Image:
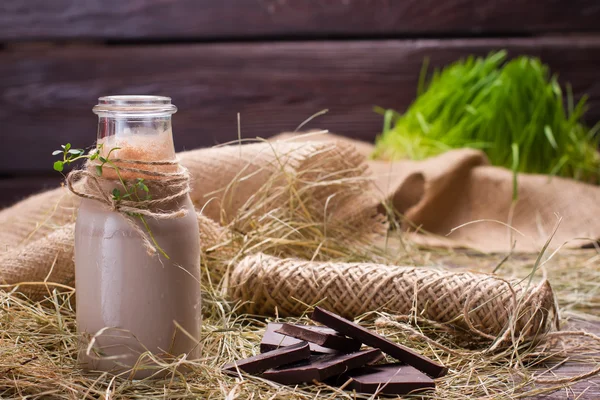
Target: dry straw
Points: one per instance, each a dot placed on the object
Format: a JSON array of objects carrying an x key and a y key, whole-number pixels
[
  {"x": 38, "y": 340},
  {"x": 38, "y": 347}
]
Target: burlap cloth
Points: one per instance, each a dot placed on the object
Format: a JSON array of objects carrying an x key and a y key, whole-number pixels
[
  {"x": 434, "y": 195},
  {"x": 460, "y": 187}
]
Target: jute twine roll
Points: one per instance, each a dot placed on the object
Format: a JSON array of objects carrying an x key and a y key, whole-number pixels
[{"x": 481, "y": 304}]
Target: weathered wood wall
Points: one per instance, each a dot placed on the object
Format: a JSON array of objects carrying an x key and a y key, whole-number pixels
[
  {"x": 274, "y": 61},
  {"x": 274, "y": 19}
]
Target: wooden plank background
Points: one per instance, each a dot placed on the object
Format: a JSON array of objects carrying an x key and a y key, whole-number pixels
[
  {"x": 48, "y": 92},
  {"x": 210, "y": 19}
]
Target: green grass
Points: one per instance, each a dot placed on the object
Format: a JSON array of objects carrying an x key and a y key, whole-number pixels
[{"x": 502, "y": 107}]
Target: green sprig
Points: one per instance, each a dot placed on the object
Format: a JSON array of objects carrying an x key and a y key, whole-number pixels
[
  {"x": 69, "y": 156},
  {"x": 136, "y": 190}
]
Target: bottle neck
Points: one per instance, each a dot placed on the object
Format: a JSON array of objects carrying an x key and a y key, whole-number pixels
[
  {"x": 136, "y": 127},
  {"x": 147, "y": 139}
]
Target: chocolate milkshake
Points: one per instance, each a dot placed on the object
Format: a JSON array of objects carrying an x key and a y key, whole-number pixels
[{"x": 129, "y": 301}]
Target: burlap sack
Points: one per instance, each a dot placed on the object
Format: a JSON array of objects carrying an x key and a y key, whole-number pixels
[
  {"x": 229, "y": 185},
  {"x": 226, "y": 182},
  {"x": 481, "y": 304},
  {"x": 459, "y": 187}
]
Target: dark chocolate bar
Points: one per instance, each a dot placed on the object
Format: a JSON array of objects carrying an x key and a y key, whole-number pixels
[
  {"x": 387, "y": 379},
  {"x": 321, "y": 367},
  {"x": 372, "y": 339},
  {"x": 272, "y": 359},
  {"x": 324, "y": 337},
  {"x": 272, "y": 340}
]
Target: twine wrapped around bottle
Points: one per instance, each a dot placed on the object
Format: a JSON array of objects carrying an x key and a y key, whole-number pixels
[
  {"x": 168, "y": 181},
  {"x": 482, "y": 304}
]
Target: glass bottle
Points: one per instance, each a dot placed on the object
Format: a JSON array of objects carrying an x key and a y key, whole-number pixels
[{"x": 130, "y": 301}]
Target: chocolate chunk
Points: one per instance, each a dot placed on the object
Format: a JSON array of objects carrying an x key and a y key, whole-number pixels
[
  {"x": 321, "y": 367},
  {"x": 372, "y": 339},
  {"x": 271, "y": 359},
  {"x": 272, "y": 340},
  {"x": 324, "y": 337},
  {"x": 387, "y": 379}
]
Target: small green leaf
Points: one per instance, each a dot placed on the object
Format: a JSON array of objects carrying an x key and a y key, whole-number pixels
[
  {"x": 116, "y": 194},
  {"x": 388, "y": 118},
  {"x": 515, "y": 171},
  {"x": 94, "y": 156},
  {"x": 423, "y": 123},
  {"x": 102, "y": 159},
  {"x": 57, "y": 152},
  {"x": 470, "y": 109},
  {"x": 550, "y": 137},
  {"x": 67, "y": 146},
  {"x": 145, "y": 188},
  {"x": 59, "y": 166},
  {"x": 62, "y": 145},
  {"x": 99, "y": 170},
  {"x": 76, "y": 151}
]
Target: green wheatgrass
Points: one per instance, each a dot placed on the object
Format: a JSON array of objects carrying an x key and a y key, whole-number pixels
[{"x": 508, "y": 109}]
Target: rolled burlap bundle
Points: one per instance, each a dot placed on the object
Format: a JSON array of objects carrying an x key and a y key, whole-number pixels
[
  {"x": 236, "y": 183},
  {"x": 482, "y": 304}
]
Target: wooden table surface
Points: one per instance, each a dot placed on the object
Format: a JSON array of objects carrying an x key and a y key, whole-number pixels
[{"x": 588, "y": 389}]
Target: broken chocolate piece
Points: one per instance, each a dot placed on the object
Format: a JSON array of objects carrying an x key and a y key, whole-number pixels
[
  {"x": 324, "y": 337},
  {"x": 387, "y": 379},
  {"x": 321, "y": 367},
  {"x": 271, "y": 359},
  {"x": 372, "y": 339},
  {"x": 272, "y": 340}
]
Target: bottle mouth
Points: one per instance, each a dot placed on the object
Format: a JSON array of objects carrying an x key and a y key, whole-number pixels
[{"x": 134, "y": 105}]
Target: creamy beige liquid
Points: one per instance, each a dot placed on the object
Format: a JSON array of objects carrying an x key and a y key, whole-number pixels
[{"x": 130, "y": 300}]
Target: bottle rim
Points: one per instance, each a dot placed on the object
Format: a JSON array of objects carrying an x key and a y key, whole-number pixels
[{"x": 134, "y": 105}]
